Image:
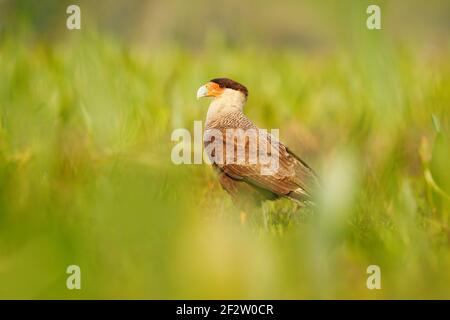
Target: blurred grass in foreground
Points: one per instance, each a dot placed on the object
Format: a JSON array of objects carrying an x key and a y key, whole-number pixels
[{"x": 86, "y": 176}]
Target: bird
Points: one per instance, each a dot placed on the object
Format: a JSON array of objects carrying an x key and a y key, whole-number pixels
[{"x": 244, "y": 180}]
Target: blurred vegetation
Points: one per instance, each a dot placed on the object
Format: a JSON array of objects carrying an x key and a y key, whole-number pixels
[{"x": 85, "y": 170}]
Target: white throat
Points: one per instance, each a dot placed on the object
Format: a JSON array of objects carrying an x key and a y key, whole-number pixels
[{"x": 229, "y": 101}]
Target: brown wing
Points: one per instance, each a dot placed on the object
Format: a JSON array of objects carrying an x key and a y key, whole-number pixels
[
  {"x": 292, "y": 177},
  {"x": 243, "y": 193}
]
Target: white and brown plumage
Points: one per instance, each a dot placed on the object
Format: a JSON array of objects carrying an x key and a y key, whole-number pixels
[{"x": 293, "y": 178}]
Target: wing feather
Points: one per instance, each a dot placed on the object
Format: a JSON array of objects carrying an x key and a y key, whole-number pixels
[{"x": 293, "y": 177}]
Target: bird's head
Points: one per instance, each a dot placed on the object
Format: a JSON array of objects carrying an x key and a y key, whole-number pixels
[{"x": 223, "y": 88}]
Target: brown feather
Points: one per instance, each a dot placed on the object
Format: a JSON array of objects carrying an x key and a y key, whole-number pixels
[{"x": 294, "y": 178}]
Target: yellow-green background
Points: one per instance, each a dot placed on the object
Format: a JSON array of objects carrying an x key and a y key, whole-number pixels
[{"x": 85, "y": 170}]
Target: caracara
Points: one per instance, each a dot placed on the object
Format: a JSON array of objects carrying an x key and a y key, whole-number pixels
[{"x": 292, "y": 178}]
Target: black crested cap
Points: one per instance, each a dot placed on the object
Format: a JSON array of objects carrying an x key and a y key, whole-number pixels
[{"x": 231, "y": 84}]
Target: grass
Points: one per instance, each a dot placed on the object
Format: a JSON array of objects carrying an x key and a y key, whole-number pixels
[{"x": 86, "y": 176}]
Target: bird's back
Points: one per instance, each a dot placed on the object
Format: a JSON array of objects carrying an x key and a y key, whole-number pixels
[{"x": 292, "y": 178}]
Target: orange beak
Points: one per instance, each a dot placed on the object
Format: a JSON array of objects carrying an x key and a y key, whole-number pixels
[{"x": 211, "y": 89}]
